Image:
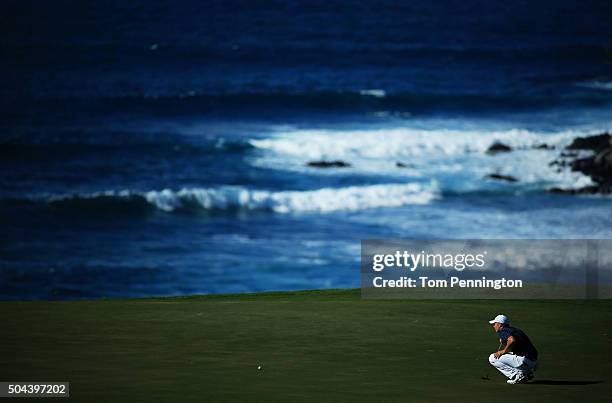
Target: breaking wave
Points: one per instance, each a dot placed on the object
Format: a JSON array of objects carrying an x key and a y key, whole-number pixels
[
  {"x": 322, "y": 200},
  {"x": 456, "y": 159}
]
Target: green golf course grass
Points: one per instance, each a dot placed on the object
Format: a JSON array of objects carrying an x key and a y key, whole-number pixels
[{"x": 314, "y": 346}]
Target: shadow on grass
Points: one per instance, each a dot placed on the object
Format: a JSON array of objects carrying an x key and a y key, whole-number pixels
[{"x": 554, "y": 382}]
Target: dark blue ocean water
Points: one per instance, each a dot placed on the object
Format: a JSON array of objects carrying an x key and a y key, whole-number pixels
[{"x": 162, "y": 148}]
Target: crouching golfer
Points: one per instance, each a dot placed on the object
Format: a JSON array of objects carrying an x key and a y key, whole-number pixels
[{"x": 517, "y": 357}]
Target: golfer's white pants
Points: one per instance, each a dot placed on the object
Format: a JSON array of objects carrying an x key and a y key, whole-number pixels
[{"x": 512, "y": 365}]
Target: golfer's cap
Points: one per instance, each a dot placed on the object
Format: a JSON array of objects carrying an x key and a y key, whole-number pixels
[{"x": 503, "y": 319}]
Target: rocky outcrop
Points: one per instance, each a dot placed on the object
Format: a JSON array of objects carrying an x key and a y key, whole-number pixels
[
  {"x": 594, "y": 143},
  {"x": 597, "y": 166}
]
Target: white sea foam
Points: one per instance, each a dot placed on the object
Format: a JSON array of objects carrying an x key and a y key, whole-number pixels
[
  {"x": 373, "y": 93},
  {"x": 600, "y": 85},
  {"x": 438, "y": 154},
  {"x": 320, "y": 200},
  {"x": 398, "y": 142}
]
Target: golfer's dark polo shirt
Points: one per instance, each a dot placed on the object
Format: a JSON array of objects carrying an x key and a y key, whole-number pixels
[{"x": 522, "y": 345}]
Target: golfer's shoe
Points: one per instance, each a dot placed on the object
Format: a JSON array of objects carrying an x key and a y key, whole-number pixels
[{"x": 518, "y": 379}]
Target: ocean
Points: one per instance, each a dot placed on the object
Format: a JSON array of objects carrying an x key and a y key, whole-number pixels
[{"x": 171, "y": 147}]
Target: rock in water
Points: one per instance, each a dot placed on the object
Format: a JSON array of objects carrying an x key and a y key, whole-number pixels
[
  {"x": 500, "y": 177},
  {"x": 587, "y": 190},
  {"x": 598, "y": 167},
  {"x": 498, "y": 147},
  {"x": 596, "y": 143},
  {"x": 328, "y": 164}
]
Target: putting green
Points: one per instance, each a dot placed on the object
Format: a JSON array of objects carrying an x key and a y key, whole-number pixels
[{"x": 312, "y": 346}]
